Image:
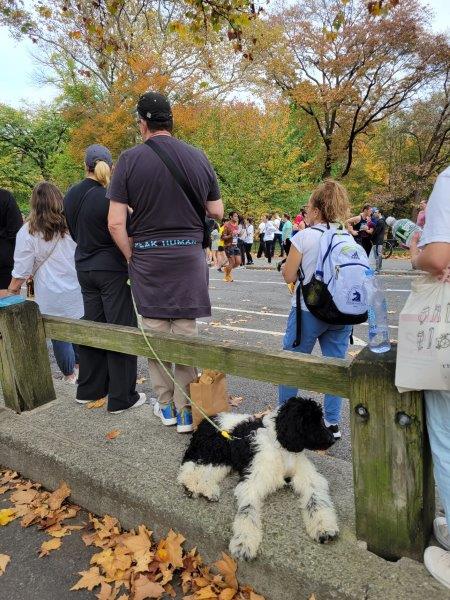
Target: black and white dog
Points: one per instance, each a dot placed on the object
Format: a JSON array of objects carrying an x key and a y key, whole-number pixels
[{"x": 267, "y": 452}]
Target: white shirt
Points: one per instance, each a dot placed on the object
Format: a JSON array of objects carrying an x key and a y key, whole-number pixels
[
  {"x": 269, "y": 231},
  {"x": 437, "y": 225},
  {"x": 56, "y": 287},
  {"x": 307, "y": 242},
  {"x": 261, "y": 227},
  {"x": 249, "y": 234},
  {"x": 277, "y": 222}
]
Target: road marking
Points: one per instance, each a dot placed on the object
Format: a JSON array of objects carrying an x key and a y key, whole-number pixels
[
  {"x": 282, "y": 283},
  {"x": 249, "y": 312},
  {"x": 356, "y": 341},
  {"x": 267, "y": 314}
]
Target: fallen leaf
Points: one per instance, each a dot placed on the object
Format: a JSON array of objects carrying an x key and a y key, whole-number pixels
[
  {"x": 57, "y": 531},
  {"x": 144, "y": 588},
  {"x": 4, "y": 560},
  {"x": 227, "y": 594},
  {"x": 49, "y": 546},
  {"x": 172, "y": 546},
  {"x": 139, "y": 544},
  {"x": 89, "y": 580},
  {"x": 254, "y": 596},
  {"x": 106, "y": 592},
  {"x": 7, "y": 515},
  {"x": 23, "y": 496},
  {"x": 312, "y": 597},
  {"x": 96, "y": 403},
  {"x": 58, "y": 496},
  {"x": 3, "y": 489},
  {"x": 206, "y": 593},
  {"x": 228, "y": 567},
  {"x": 235, "y": 400},
  {"x": 113, "y": 434},
  {"x": 141, "y": 380}
]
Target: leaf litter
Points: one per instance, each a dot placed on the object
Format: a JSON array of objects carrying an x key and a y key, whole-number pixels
[{"x": 129, "y": 565}]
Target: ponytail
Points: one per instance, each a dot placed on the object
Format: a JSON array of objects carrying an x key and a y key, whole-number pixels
[{"x": 102, "y": 173}]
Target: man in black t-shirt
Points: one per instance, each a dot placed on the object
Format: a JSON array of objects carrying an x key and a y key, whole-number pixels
[
  {"x": 168, "y": 271},
  {"x": 10, "y": 223}
]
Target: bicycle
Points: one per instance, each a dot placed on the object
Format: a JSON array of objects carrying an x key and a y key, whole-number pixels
[{"x": 388, "y": 247}]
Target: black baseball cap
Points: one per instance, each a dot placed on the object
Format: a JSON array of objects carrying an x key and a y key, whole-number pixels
[{"x": 154, "y": 107}]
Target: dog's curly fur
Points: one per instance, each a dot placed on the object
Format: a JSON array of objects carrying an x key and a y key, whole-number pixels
[{"x": 267, "y": 453}]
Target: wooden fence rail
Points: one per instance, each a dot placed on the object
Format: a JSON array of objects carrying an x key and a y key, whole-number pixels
[{"x": 394, "y": 489}]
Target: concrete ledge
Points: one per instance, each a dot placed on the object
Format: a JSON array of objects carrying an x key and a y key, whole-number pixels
[
  {"x": 133, "y": 478},
  {"x": 403, "y": 272}
]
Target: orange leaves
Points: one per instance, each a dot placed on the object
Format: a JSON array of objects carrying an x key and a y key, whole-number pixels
[
  {"x": 227, "y": 567},
  {"x": 4, "y": 561},
  {"x": 49, "y": 546},
  {"x": 96, "y": 403},
  {"x": 128, "y": 565},
  {"x": 7, "y": 515},
  {"x": 113, "y": 434},
  {"x": 89, "y": 580}
]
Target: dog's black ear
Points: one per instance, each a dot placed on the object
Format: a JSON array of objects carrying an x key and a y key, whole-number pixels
[{"x": 299, "y": 425}]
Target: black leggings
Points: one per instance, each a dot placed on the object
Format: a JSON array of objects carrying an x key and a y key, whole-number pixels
[
  {"x": 248, "y": 252},
  {"x": 270, "y": 249}
]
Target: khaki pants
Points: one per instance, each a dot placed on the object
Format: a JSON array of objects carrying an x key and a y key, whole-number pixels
[{"x": 164, "y": 387}]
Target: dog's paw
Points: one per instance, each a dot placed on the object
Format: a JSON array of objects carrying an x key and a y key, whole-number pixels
[
  {"x": 189, "y": 493},
  {"x": 241, "y": 549},
  {"x": 325, "y": 537},
  {"x": 211, "y": 496}
]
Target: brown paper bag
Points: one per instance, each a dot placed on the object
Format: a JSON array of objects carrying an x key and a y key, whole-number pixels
[{"x": 210, "y": 392}]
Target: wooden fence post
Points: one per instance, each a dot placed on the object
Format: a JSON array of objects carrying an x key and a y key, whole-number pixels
[
  {"x": 24, "y": 364},
  {"x": 394, "y": 486}
]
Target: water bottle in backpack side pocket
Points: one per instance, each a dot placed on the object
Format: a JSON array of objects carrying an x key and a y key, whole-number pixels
[
  {"x": 377, "y": 312},
  {"x": 403, "y": 230}
]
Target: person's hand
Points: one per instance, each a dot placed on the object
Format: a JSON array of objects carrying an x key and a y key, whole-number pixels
[
  {"x": 445, "y": 276},
  {"x": 4, "y": 293},
  {"x": 414, "y": 250}
]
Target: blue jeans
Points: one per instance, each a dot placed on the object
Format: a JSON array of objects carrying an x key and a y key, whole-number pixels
[
  {"x": 333, "y": 340},
  {"x": 66, "y": 355},
  {"x": 437, "y": 406}
]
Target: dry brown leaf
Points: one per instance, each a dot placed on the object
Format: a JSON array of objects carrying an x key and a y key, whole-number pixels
[
  {"x": 235, "y": 400},
  {"x": 89, "y": 579},
  {"x": 4, "y": 560},
  {"x": 228, "y": 567},
  {"x": 137, "y": 543},
  {"x": 206, "y": 593},
  {"x": 96, "y": 403},
  {"x": 29, "y": 518},
  {"x": 7, "y": 515},
  {"x": 143, "y": 588},
  {"x": 254, "y": 596},
  {"x": 141, "y": 380},
  {"x": 3, "y": 489},
  {"x": 227, "y": 594},
  {"x": 106, "y": 592},
  {"x": 58, "y": 496},
  {"x": 113, "y": 434},
  {"x": 57, "y": 531},
  {"x": 170, "y": 548},
  {"x": 49, "y": 546},
  {"x": 312, "y": 597},
  {"x": 23, "y": 496}
]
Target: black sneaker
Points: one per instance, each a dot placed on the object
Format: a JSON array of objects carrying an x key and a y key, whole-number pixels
[{"x": 334, "y": 429}]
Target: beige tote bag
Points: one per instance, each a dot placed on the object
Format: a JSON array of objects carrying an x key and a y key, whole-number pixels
[{"x": 423, "y": 356}]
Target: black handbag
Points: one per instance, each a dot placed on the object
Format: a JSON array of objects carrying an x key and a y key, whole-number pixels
[{"x": 185, "y": 185}]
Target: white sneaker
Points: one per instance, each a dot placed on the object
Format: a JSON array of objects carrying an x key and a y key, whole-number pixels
[
  {"x": 437, "y": 562},
  {"x": 142, "y": 400},
  {"x": 83, "y": 401},
  {"x": 73, "y": 379},
  {"x": 167, "y": 413},
  {"x": 440, "y": 529}
]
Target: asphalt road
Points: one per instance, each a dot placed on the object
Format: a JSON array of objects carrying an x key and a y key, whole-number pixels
[{"x": 253, "y": 311}]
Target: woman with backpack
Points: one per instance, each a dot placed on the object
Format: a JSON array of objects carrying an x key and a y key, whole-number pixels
[{"x": 328, "y": 205}]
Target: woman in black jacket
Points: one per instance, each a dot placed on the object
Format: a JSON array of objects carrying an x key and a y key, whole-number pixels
[{"x": 103, "y": 275}]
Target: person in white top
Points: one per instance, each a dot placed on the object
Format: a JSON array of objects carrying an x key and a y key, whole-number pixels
[
  {"x": 261, "y": 228},
  {"x": 45, "y": 251},
  {"x": 248, "y": 241},
  {"x": 328, "y": 204},
  {"x": 431, "y": 253},
  {"x": 269, "y": 238},
  {"x": 278, "y": 234}
]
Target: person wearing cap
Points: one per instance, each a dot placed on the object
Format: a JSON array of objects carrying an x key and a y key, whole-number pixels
[
  {"x": 103, "y": 274},
  {"x": 379, "y": 232},
  {"x": 168, "y": 271}
]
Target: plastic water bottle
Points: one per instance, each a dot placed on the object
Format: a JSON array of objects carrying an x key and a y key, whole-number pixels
[
  {"x": 403, "y": 230},
  {"x": 378, "y": 315}
]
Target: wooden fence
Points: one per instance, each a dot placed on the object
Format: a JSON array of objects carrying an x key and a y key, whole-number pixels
[{"x": 393, "y": 482}]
